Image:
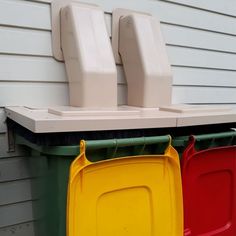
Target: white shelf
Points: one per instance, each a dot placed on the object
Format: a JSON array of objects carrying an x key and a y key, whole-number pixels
[{"x": 69, "y": 119}]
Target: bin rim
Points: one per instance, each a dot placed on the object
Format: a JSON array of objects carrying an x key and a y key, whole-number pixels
[
  {"x": 74, "y": 150},
  {"x": 183, "y": 140}
]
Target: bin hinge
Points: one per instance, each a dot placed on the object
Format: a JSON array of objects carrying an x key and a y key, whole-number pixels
[{"x": 11, "y": 140}]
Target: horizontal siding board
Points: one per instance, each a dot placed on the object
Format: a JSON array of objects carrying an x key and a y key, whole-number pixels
[
  {"x": 33, "y": 42},
  {"x": 180, "y": 56},
  {"x": 201, "y": 95},
  {"x": 203, "y": 77},
  {"x": 15, "y": 191},
  {"x": 25, "y": 229},
  {"x": 27, "y": 68},
  {"x": 21, "y": 68},
  {"x": 189, "y": 37},
  {"x": 16, "y": 214},
  {"x": 12, "y": 71},
  {"x": 40, "y": 69},
  {"x": 57, "y": 93},
  {"x": 22, "y": 41},
  {"x": 225, "y": 7},
  {"x": 25, "y": 14},
  {"x": 33, "y": 94},
  {"x": 14, "y": 169},
  {"x": 43, "y": 94},
  {"x": 37, "y": 15},
  {"x": 180, "y": 94},
  {"x": 190, "y": 94},
  {"x": 174, "y": 14},
  {"x": 22, "y": 167},
  {"x": 192, "y": 37},
  {"x": 195, "y": 76},
  {"x": 49, "y": 94}
]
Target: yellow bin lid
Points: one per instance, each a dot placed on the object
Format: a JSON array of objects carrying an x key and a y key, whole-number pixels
[{"x": 128, "y": 196}]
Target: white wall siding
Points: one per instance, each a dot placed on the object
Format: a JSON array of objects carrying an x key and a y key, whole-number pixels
[
  {"x": 33, "y": 94},
  {"x": 25, "y": 229},
  {"x": 15, "y": 188},
  {"x": 31, "y": 68},
  {"x": 26, "y": 14},
  {"x": 175, "y": 14},
  {"x": 16, "y": 211},
  {"x": 225, "y": 7},
  {"x": 201, "y": 44},
  {"x": 25, "y": 41},
  {"x": 15, "y": 191},
  {"x": 204, "y": 77}
]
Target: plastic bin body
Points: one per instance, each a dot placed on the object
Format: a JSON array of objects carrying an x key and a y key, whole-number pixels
[
  {"x": 209, "y": 191},
  {"x": 50, "y": 186},
  {"x": 49, "y": 208}
]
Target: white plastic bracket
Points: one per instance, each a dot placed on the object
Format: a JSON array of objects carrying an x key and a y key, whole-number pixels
[
  {"x": 88, "y": 56},
  {"x": 138, "y": 43},
  {"x": 116, "y": 15},
  {"x": 56, "y": 7}
]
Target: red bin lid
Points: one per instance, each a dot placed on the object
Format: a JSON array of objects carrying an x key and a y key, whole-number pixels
[{"x": 209, "y": 191}]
